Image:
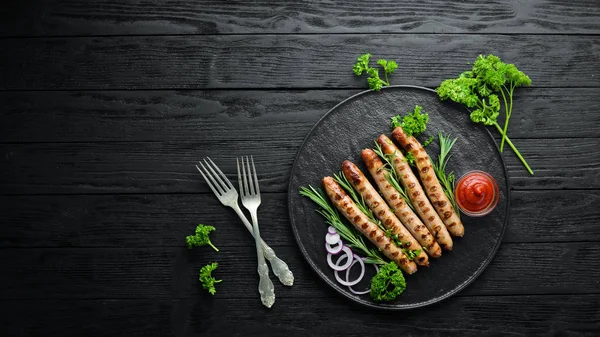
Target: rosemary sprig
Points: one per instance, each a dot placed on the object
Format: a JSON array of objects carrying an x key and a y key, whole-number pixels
[
  {"x": 358, "y": 199},
  {"x": 362, "y": 205},
  {"x": 446, "y": 179},
  {"x": 392, "y": 176},
  {"x": 347, "y": 232}
]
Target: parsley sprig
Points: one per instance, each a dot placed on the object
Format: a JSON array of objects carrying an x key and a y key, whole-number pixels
[
  {"x": 388, "y": 283},
  {"x": 375, "y": 82},
  {"x": 201, "y": 237},
  {"x": 207, "y": 280},
  {"x": 413, "y": 123},
  {"x": 478, "y": 89}
]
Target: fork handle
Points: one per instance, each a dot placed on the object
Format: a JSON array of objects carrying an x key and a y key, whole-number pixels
[
  {"x": 280, "y": 268},
  {"x": 265, "y": 286}
]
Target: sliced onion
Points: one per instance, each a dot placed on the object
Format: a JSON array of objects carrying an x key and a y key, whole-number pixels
[
  {"x": 336, "y": 266},
  {"x": 332, "y": 239},
  {"x": 335, "y": 249},
  {"x": 331, "y": 230},
  {"x": 360, "y": 292},
  {"x": 351, "y": 283}
]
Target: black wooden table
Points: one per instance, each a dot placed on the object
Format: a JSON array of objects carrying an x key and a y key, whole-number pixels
[{"x": 106, "y": 105}]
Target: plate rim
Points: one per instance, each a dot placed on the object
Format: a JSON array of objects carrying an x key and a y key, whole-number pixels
[{"x": 382, "y": 306}]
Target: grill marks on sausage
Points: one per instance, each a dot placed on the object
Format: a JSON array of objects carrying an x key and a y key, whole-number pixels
[
  {"x": 380, "y": 208},
  {"x": 414, "y": 190},
  {"x": 431, "y": 183},
  {"x": 369, "y": 229},
  {"x": 401, "y": 209}
]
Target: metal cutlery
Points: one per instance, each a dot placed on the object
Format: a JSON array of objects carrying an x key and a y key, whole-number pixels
[
  {"x": 250, "y": 195},
  {"x": 227, "y": 195}
]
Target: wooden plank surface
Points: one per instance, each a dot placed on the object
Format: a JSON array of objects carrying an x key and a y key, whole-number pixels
[
  {"x": 283, "y": 61},
  {"x": 168, "y": 167},
  {"x": 80, "y": 273},
  {"x": 106, "y": 104},
  {"x": 467, "y": 316},
  {"x": 100, "y": 116},
  {"x": 79, "y": 17},
  {"x": 131, "y": 221}
]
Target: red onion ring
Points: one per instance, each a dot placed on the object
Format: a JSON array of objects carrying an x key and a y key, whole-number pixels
[
  {"x": 351, "y": 283},
  {"x": 348, "y": 256},
  {"x": 332, "y": 239},
  {"x": 360, "y": 292},
  {"x": 334, "y": 249},
  {"x": 331, "y": 230}
]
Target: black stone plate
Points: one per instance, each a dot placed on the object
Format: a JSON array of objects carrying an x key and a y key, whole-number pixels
[{"x": 353, "y": 125}]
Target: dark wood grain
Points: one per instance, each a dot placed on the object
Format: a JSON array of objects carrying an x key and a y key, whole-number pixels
[
  {"x": 77, "y": 116},
  {"x": 543, "y": 268},
  {"x": 548, "y": 216},
  {"x": 77, "y": 17},
  {"x": 283, "y": 61},
  {"x": 105, "y": 105},
  {"x": 557, "y": 315},
  {"x": 127, "y": 221},
  {"x": 168, "y": 167}
]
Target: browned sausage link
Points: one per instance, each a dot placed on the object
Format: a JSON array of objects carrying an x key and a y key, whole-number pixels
[
  {"x": 361, "y": 222},
  {"x": 400, "y": 207},
  {"x": 409, "y": 181},
  {"x": 432, "y": 185},
  {"x": 382, "y": 210}
]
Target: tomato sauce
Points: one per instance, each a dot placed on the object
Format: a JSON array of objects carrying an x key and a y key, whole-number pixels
[{"x": 477, "y": 193}]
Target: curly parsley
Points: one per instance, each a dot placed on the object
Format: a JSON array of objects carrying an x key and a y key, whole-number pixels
[
  {"x": 375, "y": 82},
  {"x": 201, "y": 237},
  {"x": 413, "y": 124},
  {"x": 207, "y": 280},
  {"x": 478, "y": 89},
  {"x": 388, "y": 283}
]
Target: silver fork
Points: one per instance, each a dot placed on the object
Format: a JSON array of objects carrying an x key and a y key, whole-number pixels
[
  {"x": 250, "y": 193},
  {"x": 228, "y": 196}
]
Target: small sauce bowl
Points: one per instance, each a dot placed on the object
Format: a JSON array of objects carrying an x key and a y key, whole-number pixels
[{"x": 476, "y": 193}]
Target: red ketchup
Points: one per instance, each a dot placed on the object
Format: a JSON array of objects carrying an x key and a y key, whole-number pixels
[{"x": 476, "y": 193}]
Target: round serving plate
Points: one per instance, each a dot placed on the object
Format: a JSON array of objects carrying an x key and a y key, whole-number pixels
[{"x": 353, "y": 125}]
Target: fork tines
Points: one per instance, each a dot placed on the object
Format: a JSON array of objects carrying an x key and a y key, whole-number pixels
[
  {"x": 250, "y": 179},
  {"x": 212, "y": 178}
]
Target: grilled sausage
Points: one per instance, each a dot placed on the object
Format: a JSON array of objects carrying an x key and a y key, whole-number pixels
[
  {"x": 401, "y": 208},
  {"x": 432, "y": 185},
  {"x": 416, "y": 195},
  {"x": 382, "y": 211},
  {"x": 361, "y": 222}
]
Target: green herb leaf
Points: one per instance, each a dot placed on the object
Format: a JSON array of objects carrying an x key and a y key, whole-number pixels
[
  {"x": 362, "y": 65},
  {"x": 446, "y": 178},
  {"x": 388, "y": 283},
  {"x": 428, "y": 141},
  {"x": 207, "y": 280},
  {"x": 480, "y": 90},
  {"x": 413, "y": 124},
  {"x": 375, "y": 82},
  {"x": 332, "y": 218},
  {"x": 392, "y": 176},
  {"x": 410, "y": 158},
  {"x": 201, "y": 237},
  {"x": 357, "y": 198},
  {"x": 388, "y": 66}
]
